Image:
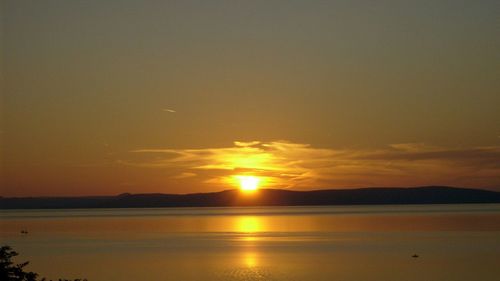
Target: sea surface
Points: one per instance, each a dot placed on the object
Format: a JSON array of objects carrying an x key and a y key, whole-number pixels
[{"x": 356, "y": 243}]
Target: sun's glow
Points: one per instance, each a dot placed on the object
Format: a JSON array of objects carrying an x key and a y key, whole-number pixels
[
  {"x": 248, "y": 183},
  {"x": 248, "y": 224},
  {"x": 250, "y": 259}
]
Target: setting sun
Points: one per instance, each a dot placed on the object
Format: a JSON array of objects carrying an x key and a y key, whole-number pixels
[{"x": 248, "y": 183}]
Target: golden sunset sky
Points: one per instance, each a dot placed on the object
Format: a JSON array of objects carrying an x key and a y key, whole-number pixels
[{"x": 105, "y": 97}]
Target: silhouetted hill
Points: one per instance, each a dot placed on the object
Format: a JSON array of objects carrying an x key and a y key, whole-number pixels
[{"x": 264, "y": 197}]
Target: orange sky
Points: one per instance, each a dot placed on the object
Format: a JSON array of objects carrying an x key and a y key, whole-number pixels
[{"x": 101, "y": 97}]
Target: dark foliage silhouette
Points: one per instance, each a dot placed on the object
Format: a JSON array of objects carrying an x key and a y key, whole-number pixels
[{"x": 15, "y": 272}]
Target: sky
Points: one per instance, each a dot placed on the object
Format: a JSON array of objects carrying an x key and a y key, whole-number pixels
[{"x": 106, "y": 97}]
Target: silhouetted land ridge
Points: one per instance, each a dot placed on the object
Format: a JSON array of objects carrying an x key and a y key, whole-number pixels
[{"x": 264, "y": 197}]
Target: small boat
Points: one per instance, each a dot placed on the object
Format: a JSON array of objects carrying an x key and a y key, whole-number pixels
[
  {"x": 24, "y": 231},
  {"x": 414, "y": 256}
]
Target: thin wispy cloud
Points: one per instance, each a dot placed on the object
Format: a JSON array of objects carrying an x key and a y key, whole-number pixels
[
  {"x": 184, "y": 175},
  {"x": 286, "y": 164}
]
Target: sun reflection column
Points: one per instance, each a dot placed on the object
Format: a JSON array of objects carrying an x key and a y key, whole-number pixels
[
  {"x": 250, "y": 259},
  {"x": 249, "y": 228}
]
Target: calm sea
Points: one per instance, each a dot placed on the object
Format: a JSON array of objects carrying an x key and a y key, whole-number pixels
[{"x": 453, "y": 242}]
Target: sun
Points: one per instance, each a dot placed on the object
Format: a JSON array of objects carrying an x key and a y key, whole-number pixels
[{"x": 248, "y": 183}]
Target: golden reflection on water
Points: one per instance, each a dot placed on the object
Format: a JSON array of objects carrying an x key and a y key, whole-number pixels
[
  {"x": 247, "y": 227},
  {"x": 248, "y": 247},
  {"x": 249, "y": 224},
  {"x": 250, "y": 259}
]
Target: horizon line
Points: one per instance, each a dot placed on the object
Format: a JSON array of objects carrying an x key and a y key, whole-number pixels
[{"x": 260, "y": 189}]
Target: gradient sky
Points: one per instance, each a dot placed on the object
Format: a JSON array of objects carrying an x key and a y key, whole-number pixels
[{"x": 104, "y": 97}]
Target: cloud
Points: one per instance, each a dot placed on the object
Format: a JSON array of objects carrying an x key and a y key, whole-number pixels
[
  {"x": 184, "y": 175},
  {"x": 244, "y": 144},
  {"x": 286, "y": 164}
]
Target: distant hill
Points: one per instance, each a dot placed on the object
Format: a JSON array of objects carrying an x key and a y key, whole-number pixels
[{"x": 264, "y": 197}]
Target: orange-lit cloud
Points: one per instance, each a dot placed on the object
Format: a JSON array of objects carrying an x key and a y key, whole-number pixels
[{"x": 286, "y": 164}]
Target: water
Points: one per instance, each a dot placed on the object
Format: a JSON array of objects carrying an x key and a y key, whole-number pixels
[{"x": 454, "y": 242}]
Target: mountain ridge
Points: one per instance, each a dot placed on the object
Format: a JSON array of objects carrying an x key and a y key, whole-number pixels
[{"x": 264, "y": 197}]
